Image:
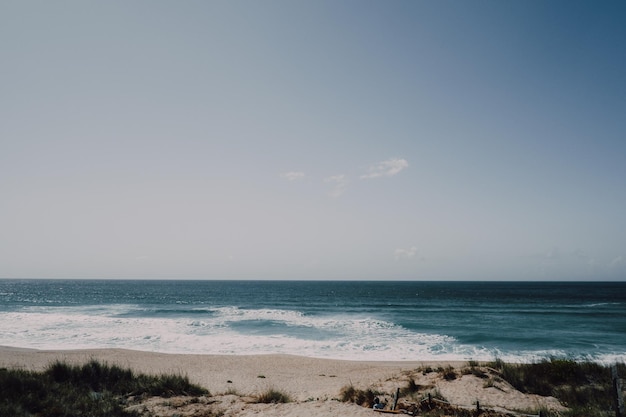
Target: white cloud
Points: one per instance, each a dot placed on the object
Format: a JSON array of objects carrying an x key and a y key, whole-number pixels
[
  {"x": 293, "y": 175},
  {"x": 405, "y": 253},
  {"x": 340, "y": 181},
  {"x": 387, "y": 168}
]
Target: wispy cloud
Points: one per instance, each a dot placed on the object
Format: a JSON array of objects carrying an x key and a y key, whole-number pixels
[
  {"x": 340, "y": 183},
  {"x": 405, "y": 253},
  {"x": 293, "y": 175},
  {"x": 387, "y": 168}
]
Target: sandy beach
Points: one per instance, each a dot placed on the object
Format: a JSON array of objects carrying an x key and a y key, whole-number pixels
[
  {"x": 313, "y": 384},
  {"x": 300, "y": 377}
]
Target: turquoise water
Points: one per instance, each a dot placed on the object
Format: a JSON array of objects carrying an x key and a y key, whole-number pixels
[{"x": 516, "y": 321}]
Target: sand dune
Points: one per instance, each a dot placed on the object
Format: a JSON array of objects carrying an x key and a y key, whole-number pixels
[{"x": 314, "y": 384}]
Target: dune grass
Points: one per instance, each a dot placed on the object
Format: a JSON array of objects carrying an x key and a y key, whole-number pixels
[
  {"x": 273, "y": 396},
  {"x": 93, "y": 389},
  {"x": 358, "y": 396},
  {"x": 584, "y": 387}
]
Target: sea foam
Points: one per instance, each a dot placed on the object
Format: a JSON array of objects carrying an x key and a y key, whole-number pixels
[
  {"x": 227, "y": 330},
  {"x": 516, "y": 322}
]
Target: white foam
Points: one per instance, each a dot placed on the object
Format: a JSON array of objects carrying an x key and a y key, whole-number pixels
[{"x": 224, "y": 331}]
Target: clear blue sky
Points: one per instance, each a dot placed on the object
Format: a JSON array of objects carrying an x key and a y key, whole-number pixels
[{"x": 313, "y": 139}]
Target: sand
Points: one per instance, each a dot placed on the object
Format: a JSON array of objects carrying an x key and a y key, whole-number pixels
[{"x": 314, "y": 384}]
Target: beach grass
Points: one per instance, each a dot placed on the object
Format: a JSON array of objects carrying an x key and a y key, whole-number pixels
[
  {"x": 584, "y": 387},
  {"x": 95, "y": 389},
  {"x": 273, "y": 396},
  {"x": 358, "y": 396},
  {"x": 98, "y": 389}
]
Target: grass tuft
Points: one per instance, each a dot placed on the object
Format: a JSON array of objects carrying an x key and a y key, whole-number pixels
[
  {"x": 273, "y": 396},
  {"x": 360, "y": 397},
  {"x": 448, "y": 373}
]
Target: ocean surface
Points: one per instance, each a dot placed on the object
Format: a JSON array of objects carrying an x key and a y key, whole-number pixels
[{"x": 513, "y": 321}]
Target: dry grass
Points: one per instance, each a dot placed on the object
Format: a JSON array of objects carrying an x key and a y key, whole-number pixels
[
  {"x": 273, "y": 396},
  {"x": 361, "y": 397}
]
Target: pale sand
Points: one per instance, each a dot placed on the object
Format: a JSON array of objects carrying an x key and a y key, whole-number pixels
[{"x": 314, "y": 384}]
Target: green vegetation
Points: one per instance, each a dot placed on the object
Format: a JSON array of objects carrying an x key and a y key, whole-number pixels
[
  {"x": 93, "y": 389},
  {"x": 273, "y": 396},
  {"x": 584, "y": 387}
]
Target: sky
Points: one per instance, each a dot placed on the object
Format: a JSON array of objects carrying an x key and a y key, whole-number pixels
[{"x": 333, "y": 140}]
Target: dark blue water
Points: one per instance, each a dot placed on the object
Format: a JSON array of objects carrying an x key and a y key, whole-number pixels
[{"x": 514, "y": 321}]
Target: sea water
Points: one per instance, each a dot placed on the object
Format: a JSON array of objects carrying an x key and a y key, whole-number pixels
[{"x": 513, "y": 321}]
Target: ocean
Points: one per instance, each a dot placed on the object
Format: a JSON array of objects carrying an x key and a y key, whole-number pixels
[{"x": 513, "y": 321}]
